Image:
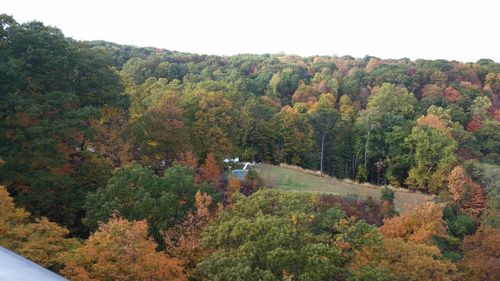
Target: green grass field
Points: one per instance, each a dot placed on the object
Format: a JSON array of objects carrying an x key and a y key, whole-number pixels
[{"x": 288, "y": 179}]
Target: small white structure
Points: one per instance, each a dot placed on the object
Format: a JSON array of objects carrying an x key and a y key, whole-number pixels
[
  {"x": 232, "y": 160},
  {"x": 247, "y": 164}
]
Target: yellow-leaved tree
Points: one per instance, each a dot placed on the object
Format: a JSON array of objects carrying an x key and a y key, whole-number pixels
[{"x": 39, "y": 239}]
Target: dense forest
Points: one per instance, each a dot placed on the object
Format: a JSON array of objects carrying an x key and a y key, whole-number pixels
[{"x": 111, "y": 162}]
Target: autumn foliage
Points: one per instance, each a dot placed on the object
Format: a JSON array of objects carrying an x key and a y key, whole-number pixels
[
  {"x": 407, "y": 249},
  {"x": 188, "y": 159},
  {"x": 474, "y": 125},
  {"x": 92, "y": 130},
  {"x": 233, "y": 186},
  {"x": 184, "y": 240},
  {"x": 451, "y": 95},
  {"x": 39, "y": 240},
  {"x": 418, "y": 226},
  {"x": 482, "y": 254},
  {"x": 457, "y": 183},
  {"x": 476, "y": 203},
  {"x": 121, "y": 250},
  {"x": 210, "y": 170},
  {"x": 410, "y": 261},
  {"x": 109, "y": 141},
  {"x": 433, "y": 121},
  {"x": 467, "y": 194}
]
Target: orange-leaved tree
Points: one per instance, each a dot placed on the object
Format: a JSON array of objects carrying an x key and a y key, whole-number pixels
[
  {"x": 210, "y": 170},
  {"x": 418, "y": 226},
  {"x": 467, "y": 194},
  {"x": 407, "y": 251},
  {"x": 432, "y": 121},
  {"x": 121, "y": 250},
  {"x": 482, "y": 254},
  {"x": 183, "y": 241},
  {"x": 476, "y": 203}
]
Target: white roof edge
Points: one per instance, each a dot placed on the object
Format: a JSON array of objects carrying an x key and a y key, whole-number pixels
[{"x": 14, "y": 267}]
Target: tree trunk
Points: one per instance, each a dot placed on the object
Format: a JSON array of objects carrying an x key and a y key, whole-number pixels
[
  {"x": 367, "y": 147},
  {"x": 322, "y": 151},
  {"x": 353, "y": 166},
  {"x": 82, "y": 145}
]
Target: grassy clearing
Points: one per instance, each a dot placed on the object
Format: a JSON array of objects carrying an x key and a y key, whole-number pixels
[{"x": 288, "y": 179}]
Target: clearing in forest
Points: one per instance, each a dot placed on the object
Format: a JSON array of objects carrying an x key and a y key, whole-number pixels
[{"x": 296, "y": 180}]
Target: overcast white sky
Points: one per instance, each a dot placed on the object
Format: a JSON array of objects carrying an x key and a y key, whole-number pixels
[{"x": 450, "y": 29}]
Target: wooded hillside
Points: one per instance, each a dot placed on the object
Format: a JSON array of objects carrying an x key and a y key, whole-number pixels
[{"x": 112, "y": 162}]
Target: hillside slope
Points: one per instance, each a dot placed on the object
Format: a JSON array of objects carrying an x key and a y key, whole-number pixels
[{"x": 295, "y": 180}]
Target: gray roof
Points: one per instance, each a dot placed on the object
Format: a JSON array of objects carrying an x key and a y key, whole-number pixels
[{"x": 16, "y": 268}]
